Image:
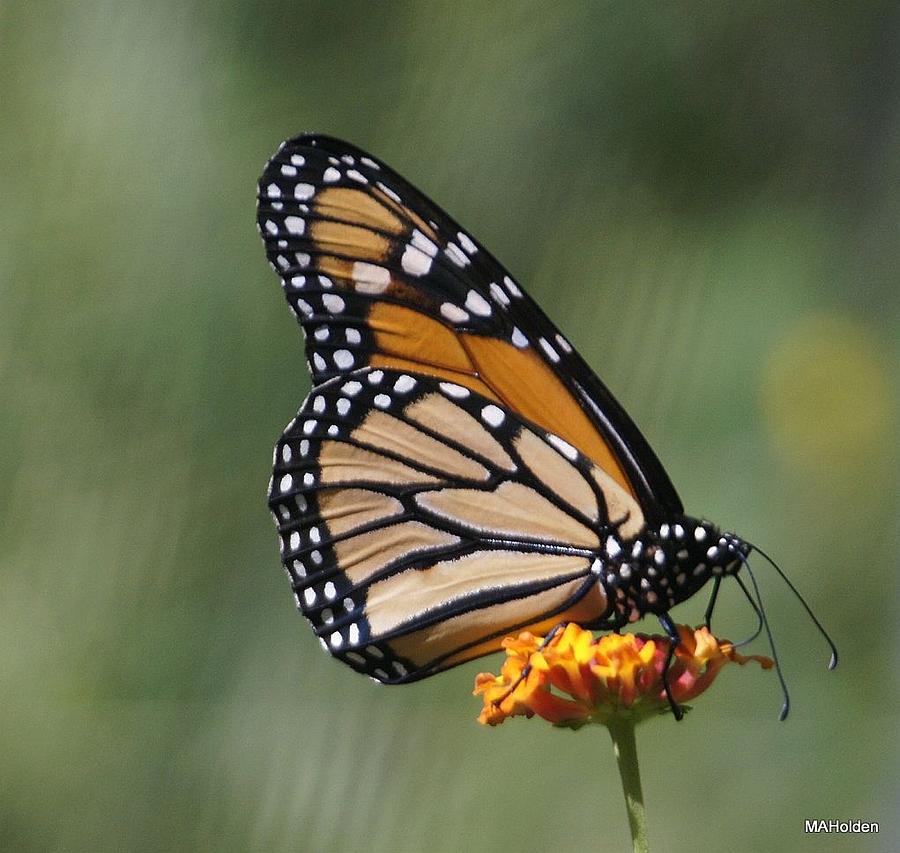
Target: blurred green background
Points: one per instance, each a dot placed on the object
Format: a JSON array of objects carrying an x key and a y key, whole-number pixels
[{"x": 705, "y": 197}]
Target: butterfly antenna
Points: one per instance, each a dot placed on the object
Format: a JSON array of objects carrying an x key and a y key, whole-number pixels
[
  {"x": 786, "y": 706},
  {"x": 759, "y": 621},
  {"x": 834, "y": 652}
]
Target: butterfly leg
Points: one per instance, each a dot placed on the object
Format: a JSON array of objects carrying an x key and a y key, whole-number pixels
[
  {"x": 527, "y": 668},
  {"x": 707, "y": 617},
  {"x": 669, "y": 627}
]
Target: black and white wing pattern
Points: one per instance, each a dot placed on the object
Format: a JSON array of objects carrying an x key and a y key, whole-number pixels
[
  {"x": 379, "y": 276},
  {"x": 420, "y": 522}
]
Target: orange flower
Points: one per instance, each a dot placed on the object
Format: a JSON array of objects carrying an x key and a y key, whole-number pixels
[{"x": 577, "y": 679}]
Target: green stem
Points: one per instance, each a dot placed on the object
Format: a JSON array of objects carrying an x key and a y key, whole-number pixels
[{"x": 621, "y": 730}]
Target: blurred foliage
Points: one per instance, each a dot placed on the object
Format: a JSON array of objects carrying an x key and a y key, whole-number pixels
[{"x": 704, "y": 195}]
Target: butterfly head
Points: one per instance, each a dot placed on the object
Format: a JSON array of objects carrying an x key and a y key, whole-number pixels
[{"x": 696, "y": 546}]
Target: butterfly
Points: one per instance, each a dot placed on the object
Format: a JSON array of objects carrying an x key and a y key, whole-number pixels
[{"x": 457, "y": 472}]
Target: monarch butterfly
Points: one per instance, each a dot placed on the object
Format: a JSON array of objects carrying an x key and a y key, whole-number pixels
[{"x": 457, "y": 472}]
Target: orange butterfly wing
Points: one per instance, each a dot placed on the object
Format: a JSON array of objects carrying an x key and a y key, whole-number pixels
[{"x": 379, "y": 276}]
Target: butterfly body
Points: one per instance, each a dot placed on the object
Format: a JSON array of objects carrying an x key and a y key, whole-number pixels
[
  {"x": 664, "y": 565},
  {"x": 457, "y": 472}
]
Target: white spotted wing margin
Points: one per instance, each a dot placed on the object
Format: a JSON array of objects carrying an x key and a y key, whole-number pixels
[
  {"x": 348, "y": 236},
  {"x": 420, "y": 522},
  {"x": 344, "y": 232}
]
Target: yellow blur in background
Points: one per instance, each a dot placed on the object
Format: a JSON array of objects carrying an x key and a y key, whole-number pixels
[
  {"x": 703, "y": 197},
  {"x": 828, "y": 395}
]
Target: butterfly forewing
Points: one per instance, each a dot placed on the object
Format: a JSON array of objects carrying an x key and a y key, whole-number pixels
[
  {"x": 420, "y": 521},
  {"x": 379, "y": 276}
]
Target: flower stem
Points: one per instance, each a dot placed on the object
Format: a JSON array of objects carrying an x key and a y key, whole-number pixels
[{"x": 621, "y": 730}]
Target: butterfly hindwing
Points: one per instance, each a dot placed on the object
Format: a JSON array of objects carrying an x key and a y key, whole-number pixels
[
  {"x": 419, "y": 521},
  {"x": 379, "y": 276}
]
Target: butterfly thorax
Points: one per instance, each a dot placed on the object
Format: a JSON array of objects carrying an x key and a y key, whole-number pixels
[{"x": 665, "y": 564}]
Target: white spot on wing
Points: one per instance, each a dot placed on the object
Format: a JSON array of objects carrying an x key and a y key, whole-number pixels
[
  {"x": 452, "y": 390},
  {"x": 294, "y": 224},
  {"x": 404, "y": 384},
  {"x": 415, "y": 261},
  {"x": 382, "y": 401},
  {"x": 357, "y": 176},
  {"x": 477, "y": 304},
  {"x": 288, "y": 171},
  {"x": 499, "y": 294},
  {"x": 370, "y": 278},
  {"x": 343, "y": 359},
  {"x": 613, "y": 548},
  {"x": 420, "y": 241},
  {"x": 466, "y": 242},
  {"x": 273, "y": 191},
  {"x": 564, "y": 345},
  {"x": 547, "y": 347},
  {"x": 389, "y": 192},
  {"x": 493, "y": 415},
  {"x": 456, "y": 255},
  {"x": 563, "y": 446},
  {"x": 302, "y": 192},
  {"x": 519, "y": 340},
  {"x": 331, "y": 175},
  {"x": 511, "y": 286},
  {"x": 453, "y": 313},
  {"x": 333, "y": 303}
]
